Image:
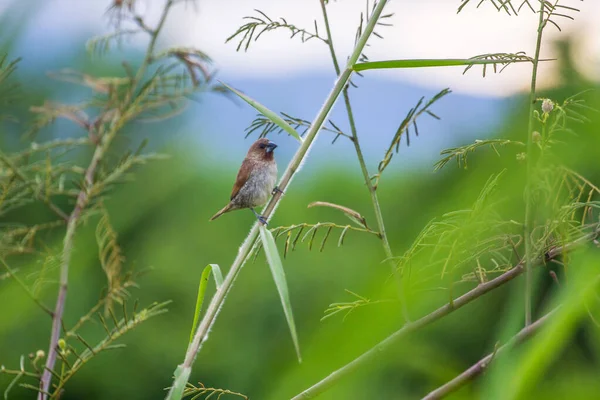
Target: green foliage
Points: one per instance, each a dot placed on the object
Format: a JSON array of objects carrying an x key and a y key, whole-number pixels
[
  {"x": 262, "y": 23},
  {"x": 44, "y": 173},
  {"x": 504, "y": 59},
  {"x": 276, "y": 266},
  {"x": 460, "y": 154},
  {"x": 201, "y": 391},
  {"x": 349, "y": 307},
  {"x": 266, "y": 126},
  {"x": 273, "y": 117},
  {"x": 180, "y": 382},
  {"x": 218, "y": 276},
  {"x": 475, "y": 235},
  {"x": 404, "y": 130},
  {"x": 8, "y": 90}
]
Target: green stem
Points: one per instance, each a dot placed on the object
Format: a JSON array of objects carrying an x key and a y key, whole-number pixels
[
  {"x": 528, "y": 198},
  {"x": 219, "y": 297},
  {"x": 150, "y": 49},
  {"x": 363, "y": 166}
]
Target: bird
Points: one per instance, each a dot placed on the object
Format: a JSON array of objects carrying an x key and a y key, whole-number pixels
[{"x": 255, "y": 180}]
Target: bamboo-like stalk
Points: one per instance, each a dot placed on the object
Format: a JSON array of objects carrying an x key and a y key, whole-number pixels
[
  {"x": 219, "y": 297},
  {"x": 82, "y": 201},
  {"x": 448, "y": 308}
]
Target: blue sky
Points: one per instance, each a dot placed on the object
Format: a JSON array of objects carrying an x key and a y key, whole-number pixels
[{"x": 295, "y": 77}]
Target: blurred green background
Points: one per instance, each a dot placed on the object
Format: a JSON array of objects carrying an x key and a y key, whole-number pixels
[{"x": 161, "y": 217}]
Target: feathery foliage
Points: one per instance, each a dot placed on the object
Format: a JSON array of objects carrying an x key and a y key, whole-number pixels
[
  {"x": 410, "y": 121},
  {"x": 202, "y": 392},
  {"x": 50, "y": 172}
]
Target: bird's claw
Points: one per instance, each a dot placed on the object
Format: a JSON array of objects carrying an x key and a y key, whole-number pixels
[
  {"x": 262, "y": 220},
  {"x": 276, "y": 190}
]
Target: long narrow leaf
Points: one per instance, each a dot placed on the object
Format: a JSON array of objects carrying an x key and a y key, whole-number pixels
[
  {"x": 279, "y": 277},
  {"x": 182, "y": 375},
  {"x": 423, "y": 63},
  {"x": 274, "y": 117},
  {"x": 216, "y": 271}
]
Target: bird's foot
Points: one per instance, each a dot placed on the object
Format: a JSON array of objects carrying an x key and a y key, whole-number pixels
[
  {"x": 276, "y": 190},
  {"x": 259, "y": 217}
]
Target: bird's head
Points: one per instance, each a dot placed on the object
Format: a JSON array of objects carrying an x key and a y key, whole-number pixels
[{"x": 262, "y": 149}]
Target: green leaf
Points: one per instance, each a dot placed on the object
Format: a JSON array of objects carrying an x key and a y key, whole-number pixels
[
  {"x": 274, "y": 117},
  {"x": 182, "y": 375},
  {"x": 423, "y": 63},
  {"x": 216, "y": 271},
  {"x": 279, "y": 277}
]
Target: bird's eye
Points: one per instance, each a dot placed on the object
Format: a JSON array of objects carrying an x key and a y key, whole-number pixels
[{"x": 262, "y": 146}]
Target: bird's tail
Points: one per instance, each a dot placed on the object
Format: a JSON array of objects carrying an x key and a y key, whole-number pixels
[{"x": 221, "y": 212}]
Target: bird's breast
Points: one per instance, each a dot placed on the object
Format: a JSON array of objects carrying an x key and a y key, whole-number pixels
[{"x": 258, "y": 187}]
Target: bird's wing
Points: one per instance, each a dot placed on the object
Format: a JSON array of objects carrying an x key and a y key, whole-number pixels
[{"x": 242, "y": 177}]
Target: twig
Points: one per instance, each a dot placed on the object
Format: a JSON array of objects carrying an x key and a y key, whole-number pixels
[
  {"x": 82, "y": 201},
  {"x": 37, "y": 301},
  {"x": 528, "y": 184},
  {"x": 363, "y": 166},
  {"x": 53, "y": 207},
  {"x": 466, "y": 298},
  {"x": 479, "y": 367},
  {"x": 294, "y": 165}
]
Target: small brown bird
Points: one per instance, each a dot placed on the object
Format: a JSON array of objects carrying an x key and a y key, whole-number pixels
[{"x": 255, "y": 180}]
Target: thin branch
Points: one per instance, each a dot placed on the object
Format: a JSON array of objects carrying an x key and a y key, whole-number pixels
[
  {"x": 13, "y": 275},
  {"x": 53, "y": 207},
  {"x": 448, "y": 308},
  {"x": 481, "y": 366},
  {"x": 528, "y": 185},
  {"x": 363, "y": 166},
  {"x": 294, "y": 165}
]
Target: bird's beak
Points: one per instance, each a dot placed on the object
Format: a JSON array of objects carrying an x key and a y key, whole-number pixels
[{"x": 270, "y": 147}]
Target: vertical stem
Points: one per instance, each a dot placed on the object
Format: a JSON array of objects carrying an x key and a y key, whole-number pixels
[
  {"x": 82, "y": 201},
  {"x": 528, "y": 198},
  {"x": 363, "y": 166},
  {"x": 219, "y": 297}
]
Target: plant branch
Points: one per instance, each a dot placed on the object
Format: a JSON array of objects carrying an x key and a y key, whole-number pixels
[
  {"x": 53, "y": 207},
  {"x": 481, "y": 366},
  {"x": 294, "y": 165},
  {"x": 82, "y": 201},
  {"x": 363, "y": 166},
  {"x": 448, "y": 308},
  {"x": 13, "y": 275},
  {"x": 528, "y": 185}
]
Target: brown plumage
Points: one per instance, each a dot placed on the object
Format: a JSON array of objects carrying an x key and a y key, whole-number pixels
[{"x": 255, "y": 180}]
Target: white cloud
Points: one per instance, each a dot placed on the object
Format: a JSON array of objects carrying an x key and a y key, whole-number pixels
[{"x": 422, "y": 29}]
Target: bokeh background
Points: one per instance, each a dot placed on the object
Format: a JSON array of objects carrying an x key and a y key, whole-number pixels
[{"x": 162, "y": 214}]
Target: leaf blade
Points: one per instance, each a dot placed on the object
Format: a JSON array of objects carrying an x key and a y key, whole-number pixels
[
  {"x": 182, "y": 376},
  {"x": 276, "y": 267},
  {"x": 424, "y": 63},
  {"x": 218, "y": 276},
  {"x": 274, "y": 117}
]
